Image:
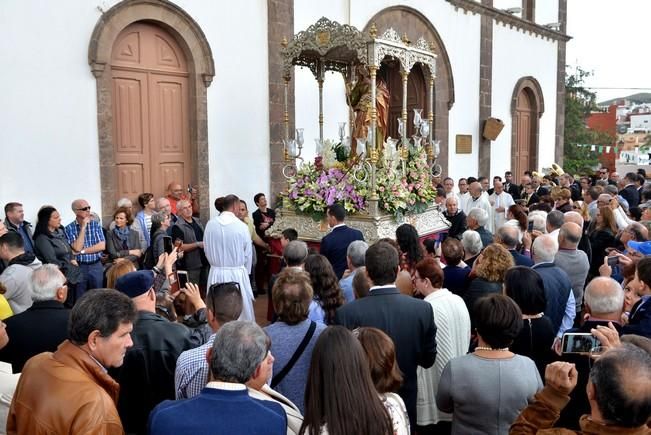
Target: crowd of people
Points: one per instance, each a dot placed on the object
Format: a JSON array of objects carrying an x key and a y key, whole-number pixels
[{"x": 529, "y": 314}]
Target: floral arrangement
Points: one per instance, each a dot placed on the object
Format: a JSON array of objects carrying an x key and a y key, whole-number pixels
[
  {"x": 314, "y": 188},
  {"x": 326, "y": 181},
  {"x": 406, "y": 193}
]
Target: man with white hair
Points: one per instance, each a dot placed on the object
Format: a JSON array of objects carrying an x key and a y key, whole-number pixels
[
  {"x": 507, "y": 236},
  {"x": 539, "y": 221},
  {"x": 477, "y": 220},
  {"x": 16, "y": 276},
  {"x": 355, "y": 258},
  {"x": 44, "y": 325},
  {"x": 560, "y": 307},
  {"x": 479, "y": 200},
  {"x": 472, "y": 245},
  {"x": 572, "y": 260},
  {"x": 604, "y": 303},
  {"x": 189, "y": 230},
  {"x": 555, "y": 219}
]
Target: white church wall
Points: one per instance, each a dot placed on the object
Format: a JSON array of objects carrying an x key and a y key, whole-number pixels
[
  {"x": 238, "y": 98},
  {"x": 48, "y": 115},
  {"x": 48, "y": 119},
  {"x": 517, "y": 55}
]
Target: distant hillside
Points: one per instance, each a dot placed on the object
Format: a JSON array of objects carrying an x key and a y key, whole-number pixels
[{"x": 639, "y": 98}]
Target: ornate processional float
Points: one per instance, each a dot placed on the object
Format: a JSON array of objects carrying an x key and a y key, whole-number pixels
[{"x": 381, "y": 181}]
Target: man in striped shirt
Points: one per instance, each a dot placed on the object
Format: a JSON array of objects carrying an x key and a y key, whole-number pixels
[{"x": 86, "y": 238}]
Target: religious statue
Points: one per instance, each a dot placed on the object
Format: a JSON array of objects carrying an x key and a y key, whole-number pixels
[{"x": 359, "y": 99}]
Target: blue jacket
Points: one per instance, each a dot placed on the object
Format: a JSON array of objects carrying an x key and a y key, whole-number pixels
[
  {"x": 521, "y": 260},
  {"x": 335, "y": 245},
  {"x": 218, "y": 412},
  {"x": 639, "y": 321},
  {"x": 557, "y": 291}
]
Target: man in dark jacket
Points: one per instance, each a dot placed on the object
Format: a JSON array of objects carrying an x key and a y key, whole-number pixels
[
  {"x": 408, "y": 321},
  {"x": 15, "y": 221},
  {"x": 630, "y": 192},
  {"x": 507, "y": 236},
  {"x": 335, "y": 244},
  {"x": 147, "y": 376},
  {"x": 456, "y": 217},
  {"x": 43, "y": 326},
  {"x": 476, "y": 221}
]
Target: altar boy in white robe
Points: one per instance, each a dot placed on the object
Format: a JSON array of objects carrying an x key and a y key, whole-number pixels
[
  {"x": 500, "y": 202},
  {"x": 227, "y": 244}
]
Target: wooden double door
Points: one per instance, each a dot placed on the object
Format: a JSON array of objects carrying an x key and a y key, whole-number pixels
[
  {"x": 525, "y": 123},
  {"x": 150, "y": 99}
]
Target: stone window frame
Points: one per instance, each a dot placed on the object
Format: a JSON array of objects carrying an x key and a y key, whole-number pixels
[
  {"x": 534, "y": 87},
  {"x": 201, "y": 67},
  {"x": 394, "y": 16}
]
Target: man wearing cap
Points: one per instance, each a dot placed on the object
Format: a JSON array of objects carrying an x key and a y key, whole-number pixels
[{"x": 147, "y": 376}]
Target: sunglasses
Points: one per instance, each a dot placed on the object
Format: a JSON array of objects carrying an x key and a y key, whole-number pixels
[{"x": 83, "y": 209}]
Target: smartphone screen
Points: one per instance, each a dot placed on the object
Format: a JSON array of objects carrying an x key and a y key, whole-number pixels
[
  {"x": 579, "y": 342},
  {"x": 530, "y": 226},
  {"x": 167, "y": 244},
  {"x": 182, "y": 277},
  {"x": 613, "y": 261}
]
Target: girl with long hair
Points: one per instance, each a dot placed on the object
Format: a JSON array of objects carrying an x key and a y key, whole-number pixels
[
  {"x": 327, "y": 292},
  {"x": 340, "y": 397}
]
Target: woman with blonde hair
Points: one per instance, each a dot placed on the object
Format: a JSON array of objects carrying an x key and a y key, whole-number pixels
[
  {"x": 562, "y": 199},
  {"x": 489, "y": 270},
  {"x": 120, "y": 267}
]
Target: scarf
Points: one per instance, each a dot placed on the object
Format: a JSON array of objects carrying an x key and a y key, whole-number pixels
[{"x": 123, "y": 235}]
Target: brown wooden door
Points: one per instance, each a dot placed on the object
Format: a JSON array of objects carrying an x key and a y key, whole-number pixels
[
  {"x": 524, "y": 147},
  {"x": 150, "y": 111},
  {"x": 416, "y": 95}
]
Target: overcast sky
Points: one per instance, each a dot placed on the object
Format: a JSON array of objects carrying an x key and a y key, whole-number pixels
[{"x": 610, "y": 37}]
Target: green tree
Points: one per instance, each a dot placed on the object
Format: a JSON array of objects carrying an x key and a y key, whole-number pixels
[{"x": 579, "y": 103}]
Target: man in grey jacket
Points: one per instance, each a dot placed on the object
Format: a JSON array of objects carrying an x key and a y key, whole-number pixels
[
  {"x": 16, "y": 277},
  {"x": 572, "y": 260}
]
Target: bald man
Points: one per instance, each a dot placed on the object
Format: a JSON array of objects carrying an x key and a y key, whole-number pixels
[
  {"x": 572, "y": 260},
  {"x": 500, "y": 202},
  {"x": 176, "y": 193},
  {"x": 456, "y": 217},
  {"x": 584, "y": 243}
]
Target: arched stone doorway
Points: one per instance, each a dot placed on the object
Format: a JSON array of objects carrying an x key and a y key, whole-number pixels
[
  {"x": 526, "y": 108},
  {"x": 194, "y": 64},
  {"x": 410, "y": 21},
  {"x": 150, "y": 111}
]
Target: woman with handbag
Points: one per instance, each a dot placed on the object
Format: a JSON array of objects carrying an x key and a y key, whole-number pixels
[{"x": 293, "y": 336}]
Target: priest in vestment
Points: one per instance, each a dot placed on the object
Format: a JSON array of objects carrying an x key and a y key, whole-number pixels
[
  {"x": 227, "y": 245},
  {"x": 479, "y": 200},
  {"x": 500, "y": 201}
]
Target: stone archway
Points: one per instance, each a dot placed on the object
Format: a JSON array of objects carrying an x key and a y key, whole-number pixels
[
  {"x": 408, "y": 20},
  {"x": 201, "y": 70},
  {"x": 527, "y": 106}
]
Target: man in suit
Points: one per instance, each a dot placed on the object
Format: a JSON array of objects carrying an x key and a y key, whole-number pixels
[
  {"x": 335, "y": 244},
  {"x": 509, "y": 186},
  {"x": 629, "y": 192},
  {"x": 408, "y": 321}
]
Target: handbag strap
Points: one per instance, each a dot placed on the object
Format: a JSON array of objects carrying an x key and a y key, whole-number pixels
[{"x": 297, "y": 354}]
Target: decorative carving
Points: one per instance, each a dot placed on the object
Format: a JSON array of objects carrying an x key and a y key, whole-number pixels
[
  {"x": 390, "y": 34},
  {"x": 328, "y": 43},
  {"x": 373, "y": 228},
  {"x": 422, "y": 44}
]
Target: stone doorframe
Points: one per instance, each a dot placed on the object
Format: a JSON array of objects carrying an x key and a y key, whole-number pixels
[
  {"x": 536, "y": 92},
  {"x": 411, "y": 21},
  {"x": 201, "y": 68}
]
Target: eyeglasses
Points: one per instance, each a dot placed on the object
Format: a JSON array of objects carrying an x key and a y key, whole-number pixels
[{"x": 87, "y": 208}]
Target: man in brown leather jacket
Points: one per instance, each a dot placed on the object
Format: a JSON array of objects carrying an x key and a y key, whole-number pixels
[
  {"x": 69, "y": 391},
  {"x": 619, "y": 391}
]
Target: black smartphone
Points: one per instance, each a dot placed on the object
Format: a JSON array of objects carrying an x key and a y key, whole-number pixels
[
  {"x": 530, "y": 226},
  {"x": 613, "y": 261},
  {"x": 189, "y": 187},
  {"x": 182, "y": 276},
  {"x": 167, "y": 244},
  {"x": 579, "y": 342}
]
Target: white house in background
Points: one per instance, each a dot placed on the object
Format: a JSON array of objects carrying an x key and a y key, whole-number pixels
[
  {"x": 640, "y": 123},
  {"x": 107, "y": 98}
]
